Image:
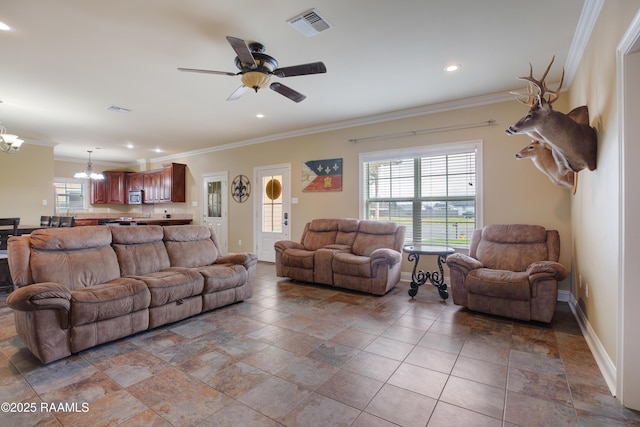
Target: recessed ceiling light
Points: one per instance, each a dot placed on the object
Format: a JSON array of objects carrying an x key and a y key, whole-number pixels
[
  {"x": 157, "y": 150},
  {"x": 129, "y": 145},
  {"x": 6, "y": 27},
  {"x": 259, "y": 115},
  {"x": 452, "y": 68}
]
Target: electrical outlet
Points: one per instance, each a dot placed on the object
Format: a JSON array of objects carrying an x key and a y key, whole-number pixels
[
  {"x": 586, "y": 290},
  {"x": 239, "y": 242}
]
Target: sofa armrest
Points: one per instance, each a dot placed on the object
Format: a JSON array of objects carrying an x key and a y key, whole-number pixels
[
  {"x": 385, "y": 256},
  {"x": 247, "y": 259},
  {"x": 40, "y": 296},
  {"x": 463, "y": 262},
  {"x": 282, "y": 245},
  {"x": 546, "y": 269}
]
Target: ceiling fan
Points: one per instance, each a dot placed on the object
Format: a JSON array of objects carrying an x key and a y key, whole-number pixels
[{"x": 256, "y": 69}]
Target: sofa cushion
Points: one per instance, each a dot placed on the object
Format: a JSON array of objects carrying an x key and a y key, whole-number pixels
[
  {"x": 347, "y": 231},
  {"x": 351, "y": 265},
  {"x": 76, "y": 257},
  {"x": 190, "y": 245},
  {"x": 319, "y": 233},
  {"x": 108, "y": 300},
  {"x": 218, "y": 277},
  {"x": 140, "y": 250},
  {"x": 298, "y": 258},
  {"x": 173, "y": 284},
  {"x": 499, "y": 283},
  {"x": 512, "y": 247},
  {"x": 373, "y": 235}
]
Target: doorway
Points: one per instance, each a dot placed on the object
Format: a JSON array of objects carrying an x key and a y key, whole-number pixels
[
  {"x": 214, "y": 213},
  {"x": 628, "y": 369},
  {"x": 272, "y": 205}
]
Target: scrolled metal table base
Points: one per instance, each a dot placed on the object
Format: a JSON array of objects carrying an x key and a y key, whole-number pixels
[{"x": 419, "y": 278}]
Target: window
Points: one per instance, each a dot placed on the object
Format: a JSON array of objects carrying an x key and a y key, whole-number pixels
[
  {"x": 433, "y": 190},
  {"x": 70, "y": 195},
  {"x": 272, "y": 204}
]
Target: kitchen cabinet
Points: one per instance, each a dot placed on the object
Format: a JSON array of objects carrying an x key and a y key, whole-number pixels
[
  {"x": 135, "y": 181},
  {"x": 110, "y": 190},
  {"x": 164, "y": 185},
  {"x": 81, "y": 222},
  {"x": 173, "y": 183}
]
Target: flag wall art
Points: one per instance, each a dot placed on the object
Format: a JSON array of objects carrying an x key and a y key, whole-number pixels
[{"x": 322, "y": 175}]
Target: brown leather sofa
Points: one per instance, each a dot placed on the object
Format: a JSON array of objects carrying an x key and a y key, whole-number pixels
[
  {"x": 511, "y": 271},
  {"x": 83, "y": 286},
  {"x": 363, "y": 255}
]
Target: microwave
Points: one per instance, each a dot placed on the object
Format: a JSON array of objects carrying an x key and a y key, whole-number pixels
[{"x": 136, "y": 197}]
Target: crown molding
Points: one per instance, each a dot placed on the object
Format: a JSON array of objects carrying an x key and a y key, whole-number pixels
[
  {"x": 360, "y": 121},
  {"x": 588, "y": 18}
]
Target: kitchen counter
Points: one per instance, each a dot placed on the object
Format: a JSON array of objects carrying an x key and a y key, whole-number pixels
[
  {"x": 132, "y": 221},
  {"x": 153, "y": 221}
]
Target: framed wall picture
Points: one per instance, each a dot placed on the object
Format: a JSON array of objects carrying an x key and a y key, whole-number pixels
[{"x": 322, "y": 175}]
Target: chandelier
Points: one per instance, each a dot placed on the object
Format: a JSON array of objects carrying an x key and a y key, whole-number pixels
[
  {"x": 9, "y": 143},
  {"x": 89, "y": 173}
]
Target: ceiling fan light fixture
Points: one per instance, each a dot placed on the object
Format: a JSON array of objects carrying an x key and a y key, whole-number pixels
[
  {"x": 9, "y": 143},
  {"x": 255, "y": 79}
]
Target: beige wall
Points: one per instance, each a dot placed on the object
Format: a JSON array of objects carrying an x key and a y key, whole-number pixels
[
  {"x": 514, "y": 190},
  {"x": 594, "y": 209},
  {"x": 26, "y": 179}
]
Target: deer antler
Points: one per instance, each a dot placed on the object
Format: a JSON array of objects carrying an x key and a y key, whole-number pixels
[{"x": 540, "y": 86}]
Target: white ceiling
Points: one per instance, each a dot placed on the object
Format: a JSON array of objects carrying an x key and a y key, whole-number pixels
[{"x": 68, "y": 60}]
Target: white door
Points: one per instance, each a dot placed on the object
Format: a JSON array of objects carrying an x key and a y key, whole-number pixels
[
  {"x": 272, "y": 206},
  {"x": 214, "y": 213}
]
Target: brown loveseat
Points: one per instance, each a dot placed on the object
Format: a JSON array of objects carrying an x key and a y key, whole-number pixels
[
  {"x": 511, "y": 271},
  {"x": 80, "y": 287},
  {"x": 363, "y": 255}
]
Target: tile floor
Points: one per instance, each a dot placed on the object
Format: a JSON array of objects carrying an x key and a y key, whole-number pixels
[{"x": 304, "y": 355}]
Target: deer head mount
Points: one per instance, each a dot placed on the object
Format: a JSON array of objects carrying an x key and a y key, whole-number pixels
[
  {"x": 573, "y": 142},
  {"x": 542, "y": 158}
]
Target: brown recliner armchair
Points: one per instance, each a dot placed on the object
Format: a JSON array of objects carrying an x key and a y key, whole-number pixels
[{"x": 511, "y": 271}]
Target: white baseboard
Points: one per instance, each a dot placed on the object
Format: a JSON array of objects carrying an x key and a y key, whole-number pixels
[
  {"x": 607, "y": 368},
  {"x": 564, "y": 296}
]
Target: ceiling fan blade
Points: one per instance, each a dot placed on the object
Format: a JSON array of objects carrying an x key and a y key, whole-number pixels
[
  {"x": 287, "y": 91},
  {"x": 242, "y": 50},
  {"x": 300, "y": 70},
  {"x": 238, "y": 93},
  {"x": 195, "y": 70}
]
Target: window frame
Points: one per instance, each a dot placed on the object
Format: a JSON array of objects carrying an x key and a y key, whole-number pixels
[
  {"x": 85, "y": 195},
  {"x": 427, "y": 151}
]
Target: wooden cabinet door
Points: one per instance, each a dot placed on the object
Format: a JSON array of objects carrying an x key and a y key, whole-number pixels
[
  {"x": 156, "y": 178},
  {"x": 135, "y": 181},
  {"x": 166, "y": 184},
  {"x": 116, "y": 187},
  {"x": 149, "y": 190},
  {"x": 98, "y": 191},
  {"x": 174, "y": 183}
]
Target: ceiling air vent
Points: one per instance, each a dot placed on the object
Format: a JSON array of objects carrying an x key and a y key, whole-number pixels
[
  {"x": 117, "y": 109},
  {"x": 310, "y": 23}
]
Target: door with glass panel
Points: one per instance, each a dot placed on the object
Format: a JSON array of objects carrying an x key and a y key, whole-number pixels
[
  {"x": 215, "y": 211},
  {"x": 273, "y": 207}
]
